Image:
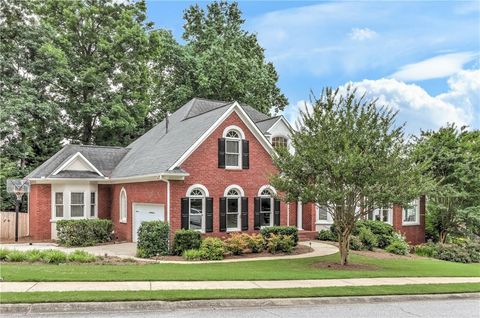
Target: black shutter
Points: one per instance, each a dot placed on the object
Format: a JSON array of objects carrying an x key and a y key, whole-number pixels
[
  {"x": 256, "y": 216},
  {"x": 208, "y": 214},
  {"x": 276, "y": 212},
  {"x": 185, "y": 214},
  {"x": 245, "y": 154},
  {"x": 223, "y": 214},
  {"x": 244, "y": 214},
  {"x": 221, "y": 152}
]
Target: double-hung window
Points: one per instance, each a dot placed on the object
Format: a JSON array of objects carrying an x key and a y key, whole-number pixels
[
  {"x": 77, "y": 204},
  {"x": 266, "y": 208},
  {"x": 233, "y": 210},
  {"x": 123, "y": 206},
  {"x": 58, "y": 204},
  {"x": 411, "y": 214},
  {"x": 92, "y": 204},
  {"x": 196, "y": 209},
  {"x": 232, "y": 149},
  {"x": 382, "y": 214}
]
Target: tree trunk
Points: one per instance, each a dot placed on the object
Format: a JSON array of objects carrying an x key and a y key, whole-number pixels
[
  {"x": 343, "y": 244},
  {"x": 443, "y": 236}
]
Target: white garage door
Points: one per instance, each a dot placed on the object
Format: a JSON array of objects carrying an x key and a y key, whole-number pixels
[{"x": 146, "y": 212}]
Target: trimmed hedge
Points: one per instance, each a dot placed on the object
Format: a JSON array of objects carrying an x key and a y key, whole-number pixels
[
  {"x": 84, "y": 232},
  {"x": 153, "y": 239},
  {"x": 184, "y": 240},
  {"x": 280, "y": 230},
  {"x": 383, "y": 231},
  {"x": 326, "y": 235}
]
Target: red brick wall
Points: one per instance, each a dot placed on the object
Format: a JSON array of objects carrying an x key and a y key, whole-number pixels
[
  {"x": 309, "y": 217},
  {"x": 414, "y": 234},
  {"x": 40, "y": 211},
  {"x": 141, "y": 192},
  {"x": 202, "y": 165},
  {"x": 104, "y": 201}
]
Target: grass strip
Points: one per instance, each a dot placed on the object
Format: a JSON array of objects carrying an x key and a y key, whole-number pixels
[
  {"x": 292, "y": 269},
  {"x": 176, "y": 295}
]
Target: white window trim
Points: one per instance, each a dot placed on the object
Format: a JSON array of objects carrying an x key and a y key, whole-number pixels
[
  {"x": 75, "y": 156},
  {"x": 281, "y": 136},
  {"x": 272, "y": 197},
  {"x": 239, "y": 203},
  {"x": 266, "y": 187},
  {"x": 390, "y": 215},
  {"x": 329, "y": 219},
  {"x": 239, "y": 140},
  {"x": 416, "y": 204},
  {"x": 204, "y": 204},
  {"x": 86, "y": 188},
  {"x": 123, "y": 218}
]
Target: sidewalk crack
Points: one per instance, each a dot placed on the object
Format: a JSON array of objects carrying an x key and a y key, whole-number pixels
[{"x": 31, "y": 287}]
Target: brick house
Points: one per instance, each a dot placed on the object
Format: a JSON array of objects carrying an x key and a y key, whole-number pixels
[{"x": 205, "y": 168}]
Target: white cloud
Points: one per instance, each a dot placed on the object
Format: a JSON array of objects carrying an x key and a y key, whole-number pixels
[
  {"x": 436, "y": 67},
  {"x": 360, "y": 34},
  {"x": 420, "y": 110}
]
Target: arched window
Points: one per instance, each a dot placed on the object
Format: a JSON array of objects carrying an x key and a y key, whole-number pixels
[
  {"x": 279, "y": 142},
  {"x": 196, "y": 207},
  {"x": 266, "y": 206},
  {"x": 233, "y": 149},
  {"x": 233, "y": 208},
  {"x": 123, "y": 206}
]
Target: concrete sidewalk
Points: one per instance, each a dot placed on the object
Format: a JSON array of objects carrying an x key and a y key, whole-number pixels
[{"x": 184, "y": 285}]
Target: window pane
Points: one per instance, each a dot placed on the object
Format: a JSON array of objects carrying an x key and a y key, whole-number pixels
[
  {"x": 92, "y": 197},
  {"x": 76, "y": 198},
  {"x": 265, "y": 205},
  {"x": 59, "y": 197},
  {"x": 322, "y": 213},
  {"x": 264, "y": 219},
  {"x": 92, "y": 210},
  {"x": 232, "y": 146},
  {"x": 76, "y": 210},
  {"x": 231, "y": 160},
  {"x": 232, "y": 221},
  {"x": 59, "y": 211},
  {"x": 232, "y": 205},
  {"x": 196, "y": 211}
]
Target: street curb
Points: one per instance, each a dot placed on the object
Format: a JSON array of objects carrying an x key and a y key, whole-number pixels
[{"x": 133, "y": 306}]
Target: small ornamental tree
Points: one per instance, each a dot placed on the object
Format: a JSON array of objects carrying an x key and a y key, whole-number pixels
[{"x": 350, "y": 158}]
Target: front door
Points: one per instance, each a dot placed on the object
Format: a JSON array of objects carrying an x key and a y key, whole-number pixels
[{"x": 146, "y": 212}]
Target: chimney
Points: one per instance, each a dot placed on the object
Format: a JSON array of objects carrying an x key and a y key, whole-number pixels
[{"x": 166, "y": 122}]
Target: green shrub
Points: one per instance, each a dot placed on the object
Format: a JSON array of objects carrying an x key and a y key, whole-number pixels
[
  {"x": 452, "y": 253},
  {"x": 84, "y": 232},
  {"x": 256, "y": 243},
  {"x": 54, "y": 257},
  {"x": 368, "y": 239},
  {"x": 384, "y": 232},
  {"x": 193, "y": 255},
  {"x": 280, "y": 230},
  {"x": 15, "y": 256},
  {"x": 212, "y": 248},
  {"x": 398, "y": 246},
  {"x": 185, "y": 240},
  {"x": 236, "y": 243},
  {"x": 473, "y": 250},
  {"x": 33, "y": 256},
  {"x": 153, "y": 239},
  {"x": 81, "y": 257},
  {"x": 326, "y": 235},
  {"x": 280, "y": 243},
  {"x": 355, "y": 243},
  {"x": 3, "y": 254},
  {"x": 427, "y": 250}
]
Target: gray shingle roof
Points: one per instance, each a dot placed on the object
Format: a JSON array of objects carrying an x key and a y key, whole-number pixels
[
  {"x": 103, "y": 158},
  {"x": 155, "y": 151},
  {"x": 264, "y": 125}
]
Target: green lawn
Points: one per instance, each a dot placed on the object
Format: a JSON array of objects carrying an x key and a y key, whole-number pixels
[
  {"x": 255, "y": 270},
  {"x": 173, "y": 295}
]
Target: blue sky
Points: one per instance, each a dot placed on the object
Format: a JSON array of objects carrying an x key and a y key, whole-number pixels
[{"x": 418, "y": 57}]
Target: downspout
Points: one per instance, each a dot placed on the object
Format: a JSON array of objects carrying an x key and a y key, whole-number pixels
[{"x": 168, "y": 197}]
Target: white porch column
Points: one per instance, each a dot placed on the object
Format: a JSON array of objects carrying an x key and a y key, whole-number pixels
[{"x": 300, "y": 215}]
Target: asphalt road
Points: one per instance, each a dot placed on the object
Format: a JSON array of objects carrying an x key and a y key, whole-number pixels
[{"x": 468, "y": 308}]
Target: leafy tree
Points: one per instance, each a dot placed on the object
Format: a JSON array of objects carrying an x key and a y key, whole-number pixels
[
  {"x": 453, "y": 160},
  {"x": 223, "y": 61},
  {"x": 30, "y": 123},
  {"x": 99, "y": 53},
  {"x": 350, "y": 158}
]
